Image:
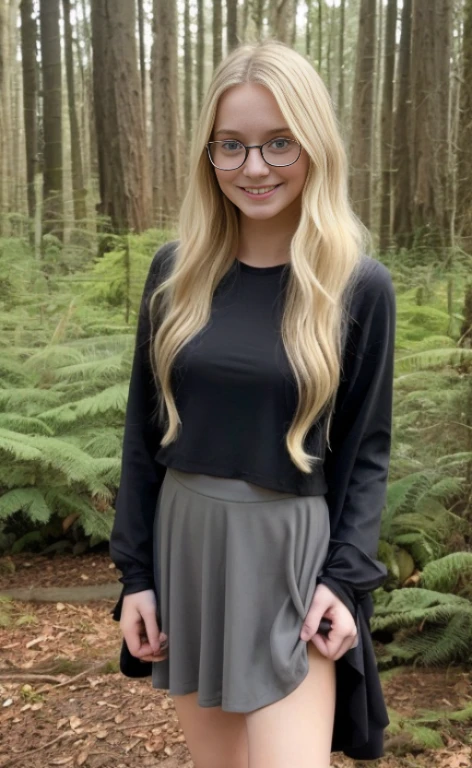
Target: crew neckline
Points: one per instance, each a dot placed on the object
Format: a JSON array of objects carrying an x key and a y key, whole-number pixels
[{"x": 261, "y": 270}]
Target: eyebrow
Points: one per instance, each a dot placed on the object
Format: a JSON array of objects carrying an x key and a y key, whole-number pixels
[{"x": 239, "y": 133}]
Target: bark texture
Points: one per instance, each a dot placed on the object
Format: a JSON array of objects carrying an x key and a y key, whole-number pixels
[{"x": 122, "y": 156}]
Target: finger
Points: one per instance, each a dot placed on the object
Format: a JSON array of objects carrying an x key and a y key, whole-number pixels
[
  {"x": 152, "y": 631},
  {"x": 148, "y": 634},
  {"x": 158, "y": 657},
  {"x": 321, "y": 644},
  {"x": 333, "y": 646},
  {"x": 341, "y": 652},
  {"x": 138, "y": 643},
  {"x": 311, "y": 623},
  {"x": 343, "y": 648}
]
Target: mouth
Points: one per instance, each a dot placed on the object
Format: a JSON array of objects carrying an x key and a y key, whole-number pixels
[{"x": 263, "y": 193}]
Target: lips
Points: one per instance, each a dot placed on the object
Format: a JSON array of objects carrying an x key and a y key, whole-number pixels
[{"x": 262, "y": 187}]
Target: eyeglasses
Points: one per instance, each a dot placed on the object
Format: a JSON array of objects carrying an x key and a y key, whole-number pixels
[{"x": 229, "y": 154}]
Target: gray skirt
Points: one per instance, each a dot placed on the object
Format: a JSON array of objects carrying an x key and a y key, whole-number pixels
[{"x": 236, "y": 570}]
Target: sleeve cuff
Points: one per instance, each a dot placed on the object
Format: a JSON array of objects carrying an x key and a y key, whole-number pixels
[
  {"x": 351, "y": 573},
  {"x": 129, "y": 589}
]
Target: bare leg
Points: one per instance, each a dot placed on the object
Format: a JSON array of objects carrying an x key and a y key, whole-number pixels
[
  {"x": 297, "y": 730},
  {"x": 215, "y": 739}
]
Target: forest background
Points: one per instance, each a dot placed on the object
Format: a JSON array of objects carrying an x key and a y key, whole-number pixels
[{"x": 98, "y": 99}]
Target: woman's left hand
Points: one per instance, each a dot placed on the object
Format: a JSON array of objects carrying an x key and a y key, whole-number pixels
[{"x": 343, "y": 633}]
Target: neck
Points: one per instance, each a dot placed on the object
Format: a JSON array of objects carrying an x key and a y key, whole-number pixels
[{"x": 266, "y": 242}]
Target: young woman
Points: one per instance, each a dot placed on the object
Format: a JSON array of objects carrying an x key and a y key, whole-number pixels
[{"x": 257, "y": 436}]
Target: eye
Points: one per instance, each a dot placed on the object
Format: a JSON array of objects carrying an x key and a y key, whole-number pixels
[
  {"x": 231, "y": 146},
  {"x": 280, "y": 143}
]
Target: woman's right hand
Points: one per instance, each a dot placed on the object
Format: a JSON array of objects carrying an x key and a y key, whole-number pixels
[{"x": 140, "y": 628}]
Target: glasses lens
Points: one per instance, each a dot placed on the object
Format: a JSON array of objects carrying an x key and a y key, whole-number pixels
[
  {"x": 230, "y": 154},
  {"x": 281, "y": 151},
  {"x": 227, "y": 154}
]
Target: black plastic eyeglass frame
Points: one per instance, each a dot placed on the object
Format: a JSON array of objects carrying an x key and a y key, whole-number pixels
[{"x": 247, "y": 147}]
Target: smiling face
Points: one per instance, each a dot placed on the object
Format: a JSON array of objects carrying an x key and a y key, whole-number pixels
[{"x": 250, "y": 114}]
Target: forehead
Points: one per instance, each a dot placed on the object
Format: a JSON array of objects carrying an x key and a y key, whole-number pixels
[{"x": 248, "y": 107}]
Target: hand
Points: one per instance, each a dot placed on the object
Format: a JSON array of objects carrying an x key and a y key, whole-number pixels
[
  {"x": 343, "y": 634},
  {"x": 140, "y": 629}
]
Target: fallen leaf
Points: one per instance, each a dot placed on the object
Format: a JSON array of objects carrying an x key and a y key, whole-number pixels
[
  {"x": 155, "y": 745},
  {"x": 74, "y": 722},
  {"x": 37, "y": 640}
]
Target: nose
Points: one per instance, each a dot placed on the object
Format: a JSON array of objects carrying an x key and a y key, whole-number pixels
[{"x": 255, "y": 164}]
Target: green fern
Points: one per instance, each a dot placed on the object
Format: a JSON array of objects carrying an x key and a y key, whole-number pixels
[
  {"x": 445, "y": 574},
  {"x": 430, "y": 628},
  {"x": 29, "y": 500}
]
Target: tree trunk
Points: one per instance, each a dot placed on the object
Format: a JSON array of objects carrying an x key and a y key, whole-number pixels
[
  {"x": 142, "y": 56},
  {"x": 217, "y": 32},
  {"x": 402, "y": 229},
  {"x": 122, "y": 154},
  {"x": 165, "y": 105},
  {"x": 78, "y": 187},
  {"x": 281, "y": 20},
  {"x": 320, "y": 35},
  {"x": 294, "y": 24},
  {"x": 188, "y": 74},
  {"x": 17, "y": 154},
  {"x": 28, "y": 56},
  {"x": 243, "y": 20},
  {"x": 308, "y": 27},
  {"x": 231, "y": 25},
  {"x": 329, "y": 50},
  {"x": 200, "y": 65},
  {"x": 258, "y": 7},
  {"x": 464, "y": 155},
  {"x": 6, "y": 127},
  {"x": 88, "y": 132},
  {"x": 430, "y": 98},
  {"x": 386, "y": 126},
  {"x": 342, "y": 23},
  {"x": 362, "y": 114},
  {"x": 53, "y": 218}
]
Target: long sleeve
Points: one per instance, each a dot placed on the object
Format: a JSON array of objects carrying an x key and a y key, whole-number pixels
[
  {"x": 356, "y": 468},
  {"x": 131, "y": 544}
]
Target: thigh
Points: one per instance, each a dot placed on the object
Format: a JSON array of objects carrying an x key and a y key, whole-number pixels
[
  {"x": 297, "y": 730},
  {"x": 214, "y": 738}
]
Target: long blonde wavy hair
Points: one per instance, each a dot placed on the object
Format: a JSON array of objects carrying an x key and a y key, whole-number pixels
[{"x": 325, "y": 250}]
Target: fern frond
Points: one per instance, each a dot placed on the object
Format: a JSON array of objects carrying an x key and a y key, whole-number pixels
[
  {"x": 401, "y": 494},
  {"x": 111, "y": 400},
  {"x": 93, "y": 521},
  {"x": 443, "y": 575},
  {"x": 101, "y": 369},
  {"x": 28, "y": 400},
  {"x": 25, "y": 424},
  {"x": 432, "y": 358},
  {"x": 53, "y": 456},
  {"x": 30, "y": 500}
]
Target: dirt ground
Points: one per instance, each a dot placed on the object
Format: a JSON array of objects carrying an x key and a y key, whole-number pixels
[{"x": 63, "y": 701}]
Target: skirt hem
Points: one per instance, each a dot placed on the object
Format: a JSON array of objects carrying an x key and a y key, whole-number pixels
[{"x": 226, "y": 706}]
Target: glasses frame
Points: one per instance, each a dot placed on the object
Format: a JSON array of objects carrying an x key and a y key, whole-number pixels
[{"x": 247, "y": 147}]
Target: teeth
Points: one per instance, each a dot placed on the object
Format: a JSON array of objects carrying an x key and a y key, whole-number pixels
[{"x": 260, "y": 191}]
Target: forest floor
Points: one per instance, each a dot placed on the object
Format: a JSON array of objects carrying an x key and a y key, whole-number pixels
[{"x": 63, "y": 701}]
